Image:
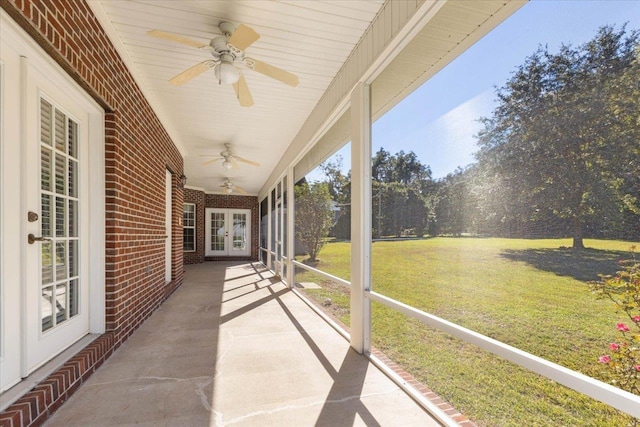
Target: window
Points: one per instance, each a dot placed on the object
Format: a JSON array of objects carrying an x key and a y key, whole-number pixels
[{"x": 189, "y": 227}]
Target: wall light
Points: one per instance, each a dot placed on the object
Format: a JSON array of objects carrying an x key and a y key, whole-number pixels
[{"x": 183, "y": 181}]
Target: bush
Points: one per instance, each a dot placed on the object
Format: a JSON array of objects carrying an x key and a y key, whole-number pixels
[{"x": 622, "y": 361}]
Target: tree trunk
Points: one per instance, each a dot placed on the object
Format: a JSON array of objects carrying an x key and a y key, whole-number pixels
[{"x": 578, "y": 244}]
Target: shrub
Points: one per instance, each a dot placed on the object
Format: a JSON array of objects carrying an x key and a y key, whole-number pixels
[{"x": 622, "y": 361}]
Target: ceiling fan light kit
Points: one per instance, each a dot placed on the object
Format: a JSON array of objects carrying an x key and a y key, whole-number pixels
[
  {"x": 228, "y": 53},
  {"x": 230, "y": 160},
  {"x": 226, "y": 73}
]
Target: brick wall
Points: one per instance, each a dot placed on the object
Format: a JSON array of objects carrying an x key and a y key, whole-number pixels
[
  {"x": 196, "y": 197},
  {"x": 222, "y": 201},
  {"x": 138, "y": 151}
]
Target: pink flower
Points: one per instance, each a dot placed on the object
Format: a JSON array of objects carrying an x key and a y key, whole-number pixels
[
  {"x": 636, "y": 319},
  {"x": 614, "y": 346},
  {"x": 637, "y": 367},
  {"x": 622, "y": 327},
  {"x": 604, "y": 359}
]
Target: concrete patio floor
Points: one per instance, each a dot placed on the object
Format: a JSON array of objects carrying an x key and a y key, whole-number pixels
[{"x": 233, "y": 346}]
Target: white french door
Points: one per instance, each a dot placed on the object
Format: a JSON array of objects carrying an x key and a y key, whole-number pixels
[
  {"x": 55, "y": 258},
  {"x": 228, "y": 232},
  {"x": 51, "y": 254}
]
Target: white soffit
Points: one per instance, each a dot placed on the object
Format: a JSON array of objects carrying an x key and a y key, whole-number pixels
[
  {"x": 310, "y": 38},
  {"x": 444, "y": 31}
]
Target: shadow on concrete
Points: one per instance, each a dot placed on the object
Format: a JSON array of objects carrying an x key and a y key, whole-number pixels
[{"x": 343, "y": 401}]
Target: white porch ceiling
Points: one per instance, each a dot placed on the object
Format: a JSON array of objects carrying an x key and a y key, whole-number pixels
[{"x": 311, "y": 39}]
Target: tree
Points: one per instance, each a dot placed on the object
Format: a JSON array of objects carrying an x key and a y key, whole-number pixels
[
  {"x": 339, "y": 186},
  {"x": 314, "y": 216},
  {"x": 402, "y": 187},
  {"x": 565, "y": 129}
]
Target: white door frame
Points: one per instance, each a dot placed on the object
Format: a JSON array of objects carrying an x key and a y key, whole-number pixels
[
  {"x": 228, "y": 231},
  {"x": 31, "y": 72}
]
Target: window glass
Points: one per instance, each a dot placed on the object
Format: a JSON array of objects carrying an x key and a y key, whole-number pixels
[
  {"x": 189, "y": 227},
  {"x": 60, "y": 216}
]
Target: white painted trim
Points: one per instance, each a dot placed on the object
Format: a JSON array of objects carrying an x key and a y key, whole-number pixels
[
  {"x": 269, "y": 229},
  {"x": 331, "y": 277},
  {"x": 195, "y": 226},
  {"x": 333, "y": 102},
  {"x": 290, "y": 224},
  {"x": 360, "y": 217},
  {"x": 613, "y": 396},
  {"x": 24, "y": 368},
  {"x": 2, "y": 216},
  {"x": 168, "y": 227}
]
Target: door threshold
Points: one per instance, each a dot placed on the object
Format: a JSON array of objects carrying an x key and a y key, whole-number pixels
[{"x": 8, "y": 397}]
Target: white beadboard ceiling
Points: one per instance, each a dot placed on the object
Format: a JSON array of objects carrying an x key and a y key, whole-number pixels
[{"x": 311, "y": 39}]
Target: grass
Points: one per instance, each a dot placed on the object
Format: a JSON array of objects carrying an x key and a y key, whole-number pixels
[{"x": 532, "y": 294}]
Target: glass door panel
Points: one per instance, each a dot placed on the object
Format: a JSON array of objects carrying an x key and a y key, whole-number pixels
[{"x": 228, "y": 232}]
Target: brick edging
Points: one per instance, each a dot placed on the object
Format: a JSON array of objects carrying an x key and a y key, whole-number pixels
[
  {"x": 428, "y": 394},
  {"x": 33, "y": 408}
]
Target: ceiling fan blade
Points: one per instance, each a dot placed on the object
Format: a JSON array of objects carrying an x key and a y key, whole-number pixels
[
  {"x": 239, "y": 189},
  {"x": 273, "y": 72},
  {"x": 243, "y": 37},
  {"x": 192, "y": 72},
  {"x": 208, "y": 162},
  {"x": 250, "y": 162},
  {"x": 242, "y": 92},
  {"x": 175, "y": 38}
]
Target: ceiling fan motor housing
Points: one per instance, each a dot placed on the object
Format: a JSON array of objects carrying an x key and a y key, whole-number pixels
[
  {"x": 219, "y": 44},
  {"x": 227, "y": 28}
]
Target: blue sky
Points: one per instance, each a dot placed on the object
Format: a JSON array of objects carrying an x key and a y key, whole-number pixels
[{"x": 438, "y": 121}]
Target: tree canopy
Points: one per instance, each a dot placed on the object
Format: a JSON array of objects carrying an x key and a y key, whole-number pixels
[
  {"x": 558, "y": 157},
  {"x": 565, "y": 134}
]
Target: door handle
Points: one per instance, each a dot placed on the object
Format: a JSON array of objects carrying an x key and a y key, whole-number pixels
[{"x": 31, "y": 239}]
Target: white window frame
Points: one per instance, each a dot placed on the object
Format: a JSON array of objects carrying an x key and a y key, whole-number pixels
[{"x": 194, "y": 227}]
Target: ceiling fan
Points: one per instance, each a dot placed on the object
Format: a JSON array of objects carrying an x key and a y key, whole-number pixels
[
  {"x": 229, "y": 187},
  {"x": 230, "y": 160},
  {"x": 228, "y": 54}
]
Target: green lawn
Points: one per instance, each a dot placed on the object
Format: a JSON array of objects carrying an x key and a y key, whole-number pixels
[{"x": 531, "y": 294}]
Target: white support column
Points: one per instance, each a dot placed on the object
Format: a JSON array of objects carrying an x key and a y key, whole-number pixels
[
  {"x": 290, "y": 224},
  {"x": 360, "y": 216}
]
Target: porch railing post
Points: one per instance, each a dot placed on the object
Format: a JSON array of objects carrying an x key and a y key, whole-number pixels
[{"x": 360, "y": 217}]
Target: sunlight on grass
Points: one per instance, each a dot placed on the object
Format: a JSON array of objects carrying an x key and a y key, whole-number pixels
[{"x": 531, "y": 294}]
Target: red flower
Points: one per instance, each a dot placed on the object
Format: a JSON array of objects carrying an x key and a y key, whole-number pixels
[
  {"x": 614, "y": 346},
  {"x": 622, "y": 327},
  {"x": 604, "y": 359},
  {"x": 636, "y": 319}
]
